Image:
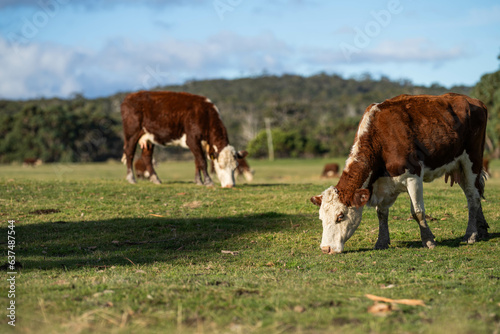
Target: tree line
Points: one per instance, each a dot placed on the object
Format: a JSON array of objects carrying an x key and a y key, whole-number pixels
[{"x": 315, "y": 116}]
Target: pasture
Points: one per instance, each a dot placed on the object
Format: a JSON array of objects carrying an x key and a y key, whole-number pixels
[{"x": 99, "y": 255}]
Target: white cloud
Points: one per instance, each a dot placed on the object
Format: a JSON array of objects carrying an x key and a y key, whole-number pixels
[
  {"x": 418, "y": 50},
  {"x": 412, "y": 50},
  {"x": 38, "y": 69},
  {"x": 35, "y": 70}
]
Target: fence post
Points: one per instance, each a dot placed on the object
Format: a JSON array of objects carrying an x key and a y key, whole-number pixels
[{"x": 270, "y": 146}]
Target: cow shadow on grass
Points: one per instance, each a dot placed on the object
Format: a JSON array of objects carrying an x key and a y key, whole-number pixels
[
  {"x": 256, "y": 185},
  {"x": 166, "y": 182},
  {"x": 451, "y": 242},
  {"x": 123, "y": 241}
]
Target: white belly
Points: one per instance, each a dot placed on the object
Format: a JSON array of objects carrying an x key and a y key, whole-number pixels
[
  {"x": 388, "y": 187},
  {"x": 151, "y": 138}
]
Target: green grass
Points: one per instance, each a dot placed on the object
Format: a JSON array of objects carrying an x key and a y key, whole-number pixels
[{"x": 119, "y": 258}]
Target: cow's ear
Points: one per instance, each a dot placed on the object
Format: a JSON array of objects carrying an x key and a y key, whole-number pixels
[
  {"x": 361, "y": 197},
  {"x": 241, "y": 154},
  {"x": 316, "y": 200}
]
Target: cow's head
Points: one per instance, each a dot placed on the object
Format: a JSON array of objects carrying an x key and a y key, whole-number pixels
[
  {"x": 339, "y": 221},
  {"x": 225, "y": 163}
]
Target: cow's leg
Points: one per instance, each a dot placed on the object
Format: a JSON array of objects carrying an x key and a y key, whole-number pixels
[
  {"x": 147, "y": 156},
  {"x": 128, "y": 155},
  {"x": 482, "y": 225},
  {"x": 384, "y": 239},
  {"x": 207, "y": 178},
  {"x": 200, "y": 164},
  {"x": 476, "y": 226},
  {"x": 415, "y": 189}
]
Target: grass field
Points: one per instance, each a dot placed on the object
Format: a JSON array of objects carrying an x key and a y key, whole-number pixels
[{"x": 99, "y": 255}]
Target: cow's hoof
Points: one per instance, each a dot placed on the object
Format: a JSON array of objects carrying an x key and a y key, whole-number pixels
[
  {"x": 429, "y": 244},
  {"x": 154, "y": 178},
  {"x": 131, "y": 179},
  {"x": 470, "y": 239},
  {"x": 209, "y": 184},
  {"x": 329, "y": 250}
]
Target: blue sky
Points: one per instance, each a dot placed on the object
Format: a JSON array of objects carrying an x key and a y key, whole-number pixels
[{"x": 97, "y": 48}]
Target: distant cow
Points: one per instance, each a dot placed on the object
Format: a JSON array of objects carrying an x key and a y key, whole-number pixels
[
  {"x": 32, "y": 162},
  {"x": 486, "y": 165},
  {"x": 330, "y": 170},
  {"x": 140, "y": 167},
  {"x": 183, "y": 119},
  {"x": 242, "y": 169},
  {"x": 401, "y": 143}
]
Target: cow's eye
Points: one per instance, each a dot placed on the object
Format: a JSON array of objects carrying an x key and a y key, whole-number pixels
[{"x": 340, "y": 218}]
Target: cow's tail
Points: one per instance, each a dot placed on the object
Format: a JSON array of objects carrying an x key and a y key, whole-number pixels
[{"x": 124, "y": 159}]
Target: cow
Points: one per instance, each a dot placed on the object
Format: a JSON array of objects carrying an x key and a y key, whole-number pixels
[
  {"x": 31, "y": 162},
  {"x": 330, "y": 170},
  {"x": 486, "y": 166},
  {"x": 177, "y": 118},
  {"x": 242, "y": 169},
  {"x": 140, "y": 167},
  {"x": 401, "y": 143}
]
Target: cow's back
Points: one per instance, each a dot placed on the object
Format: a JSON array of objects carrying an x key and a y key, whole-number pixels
[
  {"x": 168, "y": 115},
  {"x": 429, "y": 129},
  {"x": 163, "y": 105}
]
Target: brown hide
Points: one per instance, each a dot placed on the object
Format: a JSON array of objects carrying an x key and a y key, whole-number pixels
[{"x": 405, "y": 131}]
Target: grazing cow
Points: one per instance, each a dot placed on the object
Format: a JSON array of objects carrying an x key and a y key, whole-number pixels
[
  {"x": 183, "y": 119},
  {"x": 140, "y": 167},
  {"x": 486, "y": 166},
  {"x": 330, "y": 170},
  {"x": 401, "y": 143},
  {"x": 242, "y": 169},
  {"x": 32, "y": 162}
]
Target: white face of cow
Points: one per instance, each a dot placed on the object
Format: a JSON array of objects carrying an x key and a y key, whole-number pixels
[
  {"x": 339, "y": 221},
  {"x": 225, "y": 164}
]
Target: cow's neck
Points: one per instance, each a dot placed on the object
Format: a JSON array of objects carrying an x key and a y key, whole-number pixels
[
  {"x": 218, "y": 138},
  {"x": 356, "y": 175},
  {"x": 221, "y": 144}
]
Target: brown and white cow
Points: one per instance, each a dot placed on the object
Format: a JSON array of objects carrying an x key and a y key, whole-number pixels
[
  {"x": 486, "y": 166},
  {"x": 330, "y": 170},
  {"x": 31, "y": 162},
  {"x": 244, "y": 169},
  {"x": 401, "y": 143},
  {"x": 183, "y": 119},
  {"x": 140, "y": 166}
]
